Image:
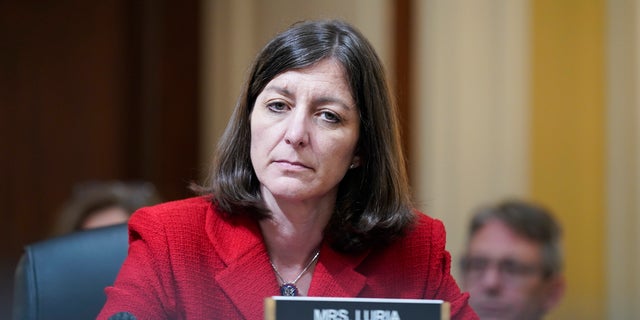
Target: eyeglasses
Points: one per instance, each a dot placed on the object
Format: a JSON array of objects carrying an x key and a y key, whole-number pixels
[{"x": 510, "y": 271}]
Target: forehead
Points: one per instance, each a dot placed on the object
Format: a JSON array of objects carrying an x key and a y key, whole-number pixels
[
  {"x": 327, "y": 73},
  {"x": 495, "y": 240}
]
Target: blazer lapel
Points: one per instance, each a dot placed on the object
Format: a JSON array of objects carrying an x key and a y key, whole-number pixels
[
  {"x": 248, "y": 277},
  {"x": 247, "y": 282},
  {"x": 335, "y": 275}
]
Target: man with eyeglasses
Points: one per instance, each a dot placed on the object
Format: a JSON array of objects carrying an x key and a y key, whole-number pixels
[{"x": 512, "y": 267}]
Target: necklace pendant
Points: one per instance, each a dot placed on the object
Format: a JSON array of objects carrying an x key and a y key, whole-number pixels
[{"x": 289, "y": 289}]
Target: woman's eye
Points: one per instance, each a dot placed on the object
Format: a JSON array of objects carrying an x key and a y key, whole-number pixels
[
  {"x": 277, "y": 106},
  {"x": 330, "y": 117}
]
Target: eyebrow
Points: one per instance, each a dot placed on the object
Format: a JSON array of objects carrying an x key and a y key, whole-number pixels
[{"x": 322, "y": 100}]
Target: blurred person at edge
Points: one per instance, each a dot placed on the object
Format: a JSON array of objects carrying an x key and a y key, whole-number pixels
[
  {"x": 95, "y": 204},
  {"x": 308, "y": 197},
  {"x": 512, "y": 267}
]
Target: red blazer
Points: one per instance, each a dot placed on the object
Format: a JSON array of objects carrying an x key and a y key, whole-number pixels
[{"x": 186, "y": 262}]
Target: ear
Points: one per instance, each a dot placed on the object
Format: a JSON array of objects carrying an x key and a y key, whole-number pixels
[
  {"x": 355, "y": 162},
  {"x": 555, "y": 292}
]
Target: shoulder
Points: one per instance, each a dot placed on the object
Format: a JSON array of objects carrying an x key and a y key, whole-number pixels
[
  {"x": 189, "y": 220},
  {"x": 172, "y": 218},
  {"x": 421, "y": 256},
  {"x": 179, "y": 211},
  {"x": 422, "y": 243},
  {"x": 427, "y": 233},
  {"x": 426, "y": 230},
  {"x": 193, "y": 205},
  {"x": 421, "y": 248}
]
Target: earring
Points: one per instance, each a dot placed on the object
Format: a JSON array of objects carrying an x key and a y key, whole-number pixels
[{"x": 353, "y": 165}]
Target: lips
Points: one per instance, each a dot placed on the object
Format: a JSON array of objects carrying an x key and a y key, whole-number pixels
[{"x": 291, "y": 164}]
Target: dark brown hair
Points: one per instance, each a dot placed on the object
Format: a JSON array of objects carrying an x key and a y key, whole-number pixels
[{"x": 373, "y": 205}]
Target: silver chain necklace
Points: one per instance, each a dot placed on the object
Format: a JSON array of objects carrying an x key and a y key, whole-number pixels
[{"x": 289, "y": 288}]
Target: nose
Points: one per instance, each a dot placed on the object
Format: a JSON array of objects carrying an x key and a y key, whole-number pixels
[
  {"x": 297, "y": 128},
  {"x": 491, "y": 280}
]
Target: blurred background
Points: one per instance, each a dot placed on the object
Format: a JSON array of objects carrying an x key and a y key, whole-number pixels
[{"x": 536, "y": 99}]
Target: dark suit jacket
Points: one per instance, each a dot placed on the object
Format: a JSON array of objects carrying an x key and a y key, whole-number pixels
[{"x": 186, "y": 262}]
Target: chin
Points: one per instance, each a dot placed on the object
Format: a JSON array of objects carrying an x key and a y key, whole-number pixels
[
  {"x": 290, "y": 192},
  {"x": 490, "y": 311}
]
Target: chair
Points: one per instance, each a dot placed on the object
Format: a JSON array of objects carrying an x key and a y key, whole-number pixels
[{"x": 65, "y": 277}]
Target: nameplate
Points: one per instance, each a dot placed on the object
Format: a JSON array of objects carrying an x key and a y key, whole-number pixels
[{"x": 325, "y": 308}]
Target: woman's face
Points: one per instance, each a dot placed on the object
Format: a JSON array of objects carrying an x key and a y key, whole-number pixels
[{"x": 304, "y": 132}]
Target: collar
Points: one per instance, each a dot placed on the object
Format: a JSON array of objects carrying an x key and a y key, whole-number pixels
[{"x": 248, "y": 277}]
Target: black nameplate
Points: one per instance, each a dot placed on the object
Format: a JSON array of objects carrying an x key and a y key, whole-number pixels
[{"x": 325, "y": 308}]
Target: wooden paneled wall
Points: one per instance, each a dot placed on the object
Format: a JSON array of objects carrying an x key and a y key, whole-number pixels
[{"x": 90, "y": 90}]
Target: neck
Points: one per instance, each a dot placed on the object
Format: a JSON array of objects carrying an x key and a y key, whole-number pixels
[
  {"x": 291, "y": 243},
  {"x": 295, "y": 229},
  {"x": 293, "y": 236}
]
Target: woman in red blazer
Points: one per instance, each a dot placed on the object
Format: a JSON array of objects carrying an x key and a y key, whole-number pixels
[{"x": 308, "y": 196}]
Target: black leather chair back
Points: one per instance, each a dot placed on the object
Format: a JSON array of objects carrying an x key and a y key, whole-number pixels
[{"x": 65, "y": 277}]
